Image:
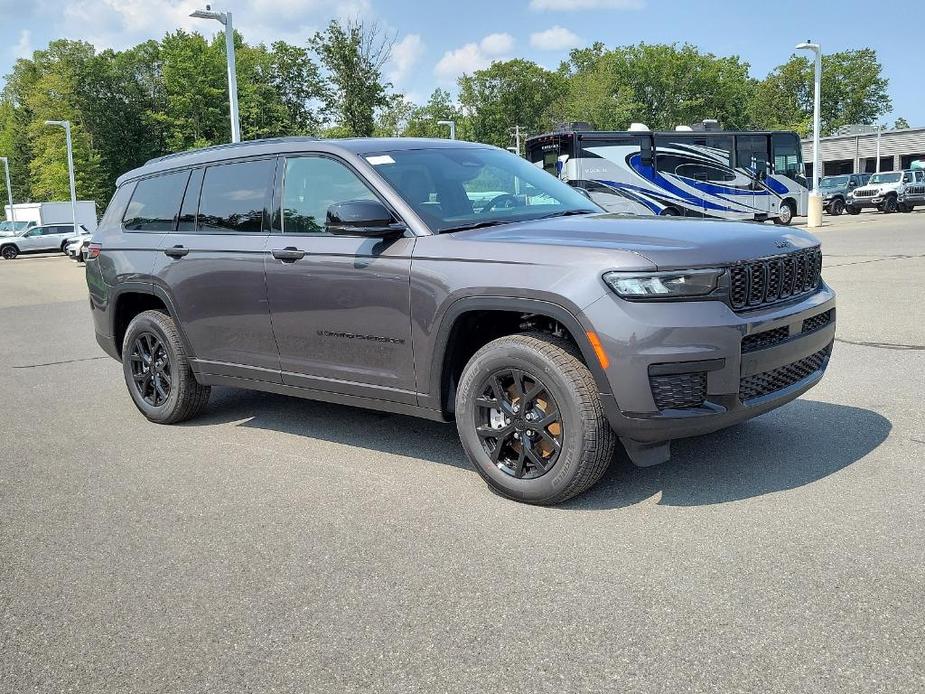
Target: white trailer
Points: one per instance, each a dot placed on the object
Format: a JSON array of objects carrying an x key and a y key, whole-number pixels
[{"x": 37, "y": 213}]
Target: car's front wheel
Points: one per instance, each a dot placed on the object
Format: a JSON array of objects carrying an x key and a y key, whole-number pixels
[
  {"x": 851, "y": 209},
  {"x": 9, "y": 252},
  {"x": 786, "y": 214},
  {"x": 531, "y": 421},
  {"x": 157, "y": 370},
  {"x": 836, "y": 207},
  {"x": 889, "y": 205}
]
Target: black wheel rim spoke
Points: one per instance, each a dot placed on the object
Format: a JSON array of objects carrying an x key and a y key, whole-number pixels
[
  {"x": 518, "y": 423},
  {"x": 150, "y": 368}
]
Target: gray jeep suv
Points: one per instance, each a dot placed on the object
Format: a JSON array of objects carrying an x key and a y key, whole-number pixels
[{"x": 449, "y": 280}]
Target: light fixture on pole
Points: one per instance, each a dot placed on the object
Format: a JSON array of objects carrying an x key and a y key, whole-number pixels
[
  {"x": 225, "y": 19},
  {"x": 66, "y": 124},
  {"x": 815, "y": 198},
  {"x": 9, "y": 189},
  {"x": 452, "y": 124}
]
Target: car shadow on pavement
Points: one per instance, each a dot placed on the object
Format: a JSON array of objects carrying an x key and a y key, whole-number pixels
[{"x": 787, "y": 448}]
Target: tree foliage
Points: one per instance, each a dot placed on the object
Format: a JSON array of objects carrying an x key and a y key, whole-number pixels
[{"x": 162, "y": 96}]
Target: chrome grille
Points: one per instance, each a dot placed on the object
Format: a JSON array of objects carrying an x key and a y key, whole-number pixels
[{"x": 767, "y": 281}]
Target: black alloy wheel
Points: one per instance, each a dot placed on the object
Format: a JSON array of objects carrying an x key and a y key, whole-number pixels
[
  {"x": 9, "y": 252},
  {"x": 889, "y": 205},
  {"x": 518, "y": 422},
  {"x": 151, "y": 369},
  {"x": 837, "y": 207}
]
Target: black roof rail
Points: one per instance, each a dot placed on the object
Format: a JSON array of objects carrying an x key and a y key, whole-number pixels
[{"x": 231, "y": 145}]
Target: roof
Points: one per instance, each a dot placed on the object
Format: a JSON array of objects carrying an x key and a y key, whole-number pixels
[
  {"x": 883, "y": 133},
  {"x": 357, "y": 146}
]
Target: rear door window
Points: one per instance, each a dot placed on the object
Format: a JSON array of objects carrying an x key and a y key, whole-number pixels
[
  {"x": 234, "y": 196},
  {"x": 156, "y": 203}
]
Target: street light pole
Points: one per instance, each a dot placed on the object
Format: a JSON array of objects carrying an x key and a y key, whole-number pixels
[
  {"x": 815, "y": 197},
  {"x": 9, "y": 189},
  {"x": 452, "y": 124},
  {"x": 66, "y": 124},
  {"x": 225, "y": 19}
]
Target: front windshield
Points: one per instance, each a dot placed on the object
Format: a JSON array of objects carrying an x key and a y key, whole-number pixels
[
  {"x": 459, "y": 188},
  {"x": 833, "y": 181},
  {"x": 885, "y": 178}
]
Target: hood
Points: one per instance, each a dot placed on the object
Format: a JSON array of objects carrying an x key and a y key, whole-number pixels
[{"x": 667, "y": 242}]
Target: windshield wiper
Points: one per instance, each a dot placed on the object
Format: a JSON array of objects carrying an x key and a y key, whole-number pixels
[
  {"x": 478, "y": 225},
  {"x": 566, "y": 213}
]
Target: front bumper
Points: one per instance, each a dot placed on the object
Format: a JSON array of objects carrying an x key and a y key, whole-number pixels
[
  {"x": 862, "y": 203},
  {"x": 706, "y": 337}
]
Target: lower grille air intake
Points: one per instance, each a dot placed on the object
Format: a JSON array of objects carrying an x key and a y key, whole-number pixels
[
  {"x": 678, "y": 391},
  {"x": 783, "y": 376}
]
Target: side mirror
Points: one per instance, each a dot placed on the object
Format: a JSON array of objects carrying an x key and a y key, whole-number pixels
[
  {"x": 645, "y": 153},
  {"x": 362, "y": 218},
  {"x": 852, "y": 184},
  {"x": 584, "y": 192}
]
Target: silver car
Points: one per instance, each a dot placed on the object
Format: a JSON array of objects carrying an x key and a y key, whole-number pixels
[{"x": 40, "y": 239}]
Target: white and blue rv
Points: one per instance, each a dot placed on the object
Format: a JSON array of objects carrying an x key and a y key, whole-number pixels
[{"x": 695, "y": 173}]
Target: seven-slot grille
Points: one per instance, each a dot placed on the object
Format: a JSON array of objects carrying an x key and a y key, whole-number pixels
[
  {"x": 770, "y": 280},
  {"x": 865, "y": 192}
]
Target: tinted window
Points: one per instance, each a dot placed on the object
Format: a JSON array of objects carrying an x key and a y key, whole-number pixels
[
  {"x": 234, "y": 195},
  {"x": 312, "y": 185},
  {"x": 788, "y": 157},
  {"x": 752, "y": 153},
  {"x": 187, "y": 221},
  {"x": 156, "y": 202},
  {"x": 919, "y": 176}
]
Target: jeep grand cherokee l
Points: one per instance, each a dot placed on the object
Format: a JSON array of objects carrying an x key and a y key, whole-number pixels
[{"x": 452, "y": 281}]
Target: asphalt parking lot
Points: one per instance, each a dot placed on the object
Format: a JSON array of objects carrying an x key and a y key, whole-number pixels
[{"x": 283, "y": 545}]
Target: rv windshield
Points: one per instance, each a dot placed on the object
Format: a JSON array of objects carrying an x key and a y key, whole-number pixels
[{"x": 464, "y": 188}]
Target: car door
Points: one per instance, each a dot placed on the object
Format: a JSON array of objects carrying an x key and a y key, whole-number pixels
[
  {"x": 752, "y": 159},
  {"x": 340, "y": 304},
  {"x": 212, "y": 267},
  {"x": 32, "y": 240}
]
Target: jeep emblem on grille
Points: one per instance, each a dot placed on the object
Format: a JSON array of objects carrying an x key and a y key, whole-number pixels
[{"x": 783, "y": 244}]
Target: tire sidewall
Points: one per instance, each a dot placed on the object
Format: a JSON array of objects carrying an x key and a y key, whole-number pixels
[
  {"x": 567, "y": 465},
  {"x": 6, "y": 249},
  {"x": 141, "y": 324}
]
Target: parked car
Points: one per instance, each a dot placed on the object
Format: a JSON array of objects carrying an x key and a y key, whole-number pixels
[
  {"x": 76, "y": 246},
  {"x": 891, "y": 191},
  {"x": 361, "y": 272},
  {"x": 835, "y": 190},
  {"x": 40, "y": 239}
]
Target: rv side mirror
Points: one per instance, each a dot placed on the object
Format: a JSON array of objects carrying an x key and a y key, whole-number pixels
[{"x": 645, "y": 153}]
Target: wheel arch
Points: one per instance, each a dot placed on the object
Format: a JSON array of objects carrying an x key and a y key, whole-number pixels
[
  {"x": 452, "y": 351},
  {"x": 130, "y": 299}
]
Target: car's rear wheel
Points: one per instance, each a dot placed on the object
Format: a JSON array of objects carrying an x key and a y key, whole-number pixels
[
  {"x": 836, "y": 207},
  {"x": 9, "y": 252},
  {"x": 157, "y": 370},
  {"x": 531, "y": 421}
]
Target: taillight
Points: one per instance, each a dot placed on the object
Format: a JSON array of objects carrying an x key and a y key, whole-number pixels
[{"x": 93, "y": 250}]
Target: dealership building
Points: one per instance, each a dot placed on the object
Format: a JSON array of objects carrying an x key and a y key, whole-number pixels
[{"x": 855, "y": 150}]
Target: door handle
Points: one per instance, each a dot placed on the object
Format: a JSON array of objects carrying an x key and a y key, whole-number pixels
[
  {"x": 289, "y": 254},
  {"x": 176, "y": 251}
]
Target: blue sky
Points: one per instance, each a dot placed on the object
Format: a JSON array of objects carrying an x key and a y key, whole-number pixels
[{"x": 438, "y": 39}]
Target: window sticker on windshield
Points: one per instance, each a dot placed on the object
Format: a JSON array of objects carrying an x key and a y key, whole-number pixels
[{"x": 380, "y": 159}]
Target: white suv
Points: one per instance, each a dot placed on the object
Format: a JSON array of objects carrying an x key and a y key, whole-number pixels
[
  {"x": 40, "y": 239},
  {"x": 891, "y": 191}
]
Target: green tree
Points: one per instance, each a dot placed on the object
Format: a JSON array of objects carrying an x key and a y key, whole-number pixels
[
  {"x": 353, "y": 55},
  {"x": 901, "y": 123},
  {"x": 854, "y": 91},
  {"x": 509, "y": 93}
]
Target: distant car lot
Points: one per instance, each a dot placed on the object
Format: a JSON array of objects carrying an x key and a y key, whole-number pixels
[{"x": 279, "y": 543}]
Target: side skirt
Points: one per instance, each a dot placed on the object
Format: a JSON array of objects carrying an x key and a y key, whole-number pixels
[{"x": 208, "y": 379}]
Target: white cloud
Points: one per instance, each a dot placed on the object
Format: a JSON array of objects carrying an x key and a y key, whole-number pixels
[
  {"x": 575, "y": 5},
  {"x": 23, "y": 47},
  {"x": 474, "y": 56},
  {"x": 405, "y": 55},
  {"x": 555, "y": 39}
]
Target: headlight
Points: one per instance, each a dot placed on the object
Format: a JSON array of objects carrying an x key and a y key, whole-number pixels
[{"x": 680, "y": 283}]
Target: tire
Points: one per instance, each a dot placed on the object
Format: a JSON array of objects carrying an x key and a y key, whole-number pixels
[
  {"x": 889, "y": 205},
  {"x": 64, "y": 247},
  {"x": 787, "y": 213},
  {"x": 851, "y": 209},
  {"x": 185, "y": 398},
  {"x": 585, "y": 439},
  {"x": 837, "y": 207},
  {"x": 9, "y": 252},
  {"x": 669, "y": 212},
  {"x": 906, "y": 208}
]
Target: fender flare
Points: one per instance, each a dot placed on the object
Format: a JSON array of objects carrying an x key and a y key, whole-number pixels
[
  {"x": 563, "y": 315},
  {"x": 138, "y": 287}
]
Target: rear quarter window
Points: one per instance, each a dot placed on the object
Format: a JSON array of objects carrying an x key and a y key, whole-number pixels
[
  {"x": 155, "y": 203},
  {"x": 116, "y": 207}
]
